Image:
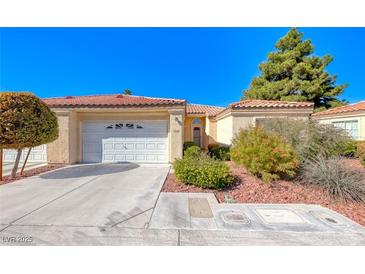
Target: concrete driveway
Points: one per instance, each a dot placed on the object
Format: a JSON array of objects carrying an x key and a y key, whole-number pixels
[{"x": 97, "y": 195}]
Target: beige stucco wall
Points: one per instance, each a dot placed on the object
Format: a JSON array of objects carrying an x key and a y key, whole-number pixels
[
  {"x": 232, "y": 122},
  {"x": 354, "y": 117},
  {"x": 176, "y": 134},
  {"x": 74, "y": 137},
  {"x": 225, "y": 130},
  {"x": 188, "y": 130},
  {"x": 60, "y": 150},
  {"x": 211, "y": 130},
  {"x": 242, "y": 122},
  {"x": 68, "y": 147}
]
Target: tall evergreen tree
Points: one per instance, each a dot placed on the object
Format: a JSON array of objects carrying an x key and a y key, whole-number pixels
[
  {"x": 293, "y": 73},
  {"x": 127, "y": 92}
]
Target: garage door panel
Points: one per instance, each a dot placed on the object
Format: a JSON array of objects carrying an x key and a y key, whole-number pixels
[
  {"x": 151, "y": 157},
  {"x": 118, "y": 146},
  {"x": 161, "y": 146},
  {"x": 140, "y": 146},
  {"x": 119, "y": 157},
  {"x": 150, "y": 146},
  {"x": 141, "y": 141},
  {"x": 128, "y": 146},
  {"x": 129, "y": 157},
  {"x": 161, "y": 158},
  {"x": 140, "y": 157}
]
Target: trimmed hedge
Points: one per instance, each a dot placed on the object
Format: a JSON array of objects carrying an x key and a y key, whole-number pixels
[
  {"x": 202, "y": 171},
  {"x": 265, "y": 155},
  {"x": 25, "y": 121},
  {"x": 192, "y": 152},
  {"x": 186, "y": 145},
  {"x": 219, "y": 152}
]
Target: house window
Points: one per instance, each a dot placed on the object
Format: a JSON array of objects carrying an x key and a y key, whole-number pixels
[
  {"x": 139, "y": 126},
  {"x": 351, "y": 127},
  {"x": 118, "y": 126},
  {"x": 196, "y": 121},
  {"x": 130, "y": 126}
]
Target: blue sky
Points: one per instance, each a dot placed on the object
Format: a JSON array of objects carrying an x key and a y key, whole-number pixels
[{"x": 202, "y": 65}]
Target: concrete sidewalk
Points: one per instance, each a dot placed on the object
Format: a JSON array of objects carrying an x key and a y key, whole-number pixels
[
  {"x": 201, "y": 211},
  {"x": 115, "y": 236}
]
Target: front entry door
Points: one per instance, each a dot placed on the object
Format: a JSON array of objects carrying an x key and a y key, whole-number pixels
[{"x": 196, "y": 136}]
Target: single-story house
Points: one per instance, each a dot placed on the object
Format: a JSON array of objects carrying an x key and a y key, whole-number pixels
[
  {"x": 113, "y": 128},
  {"x": 350, "y": 117}
]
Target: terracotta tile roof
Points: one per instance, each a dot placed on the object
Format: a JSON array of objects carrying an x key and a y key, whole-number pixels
[
  {"x": 203, "y": 109},
  {"x": 360, "y": 106},
  {"x": 114, "y": 100},
  {"x": 269, "y": 104}
]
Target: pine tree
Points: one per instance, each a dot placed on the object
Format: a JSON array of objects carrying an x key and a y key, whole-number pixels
[
  {"x": 294, "y": 73},
  {"x": 127, "y": 92}
]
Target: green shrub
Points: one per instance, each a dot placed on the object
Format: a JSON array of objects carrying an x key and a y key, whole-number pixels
[
  {"x": 204, "y": 172},
  {"x": 310, "y": 138},
  {"x": 265, "y": 155},
  {"x": 193, "y": 152},
  {"x": 347, "y": 148},
  {"x": 212, "y": 146},
  {"x": 220, "y": 153},
  {"x": 186, "y": 145},
  {"x": 340, "y": 181},
  {"x": 25, "y": 121}
]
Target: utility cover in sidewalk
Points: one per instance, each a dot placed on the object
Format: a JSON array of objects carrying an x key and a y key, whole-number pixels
[
  {"x": 200, "y": 208},
  {"x": 234, "y": 217},
  {"x": 327, "y": 218},
  {"x": 279, "y": 216}
]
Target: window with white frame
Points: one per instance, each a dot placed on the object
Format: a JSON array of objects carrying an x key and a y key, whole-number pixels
[{"x": 351, "y": 127}]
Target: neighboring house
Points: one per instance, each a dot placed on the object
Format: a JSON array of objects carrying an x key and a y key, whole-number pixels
[
  {"x": 350, "y": 117},
  {"x": 113, "y": 128}
]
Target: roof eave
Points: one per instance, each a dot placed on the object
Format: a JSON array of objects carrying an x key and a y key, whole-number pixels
[{"x": 116, "y": 105}]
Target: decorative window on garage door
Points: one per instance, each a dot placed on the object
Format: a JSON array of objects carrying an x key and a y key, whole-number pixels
[
  {"x": 109, "y": 127},
  {"x": 119, "y": 126}
]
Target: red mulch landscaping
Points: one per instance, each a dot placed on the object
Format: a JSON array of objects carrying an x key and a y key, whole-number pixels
[
  {"x": 29, "y": 173},
  {"x": 249, "y": 189}
]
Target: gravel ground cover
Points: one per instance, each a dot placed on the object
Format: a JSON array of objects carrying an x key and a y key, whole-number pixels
[{"x": 249, "y": 189}]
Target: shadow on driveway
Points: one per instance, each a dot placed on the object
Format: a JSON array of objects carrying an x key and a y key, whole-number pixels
[{"x": 89, "y": 170}]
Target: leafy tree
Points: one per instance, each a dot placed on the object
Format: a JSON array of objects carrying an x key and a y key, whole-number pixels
[
  {"x": 293, "y": 73},
  {"x": 127, "y": 92},
  {"x": 25, "y": 122}
]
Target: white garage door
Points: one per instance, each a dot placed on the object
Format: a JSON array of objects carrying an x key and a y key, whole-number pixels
[
  {"x": 125, "y": 141},
  {"x": 37, "y": 155}
]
